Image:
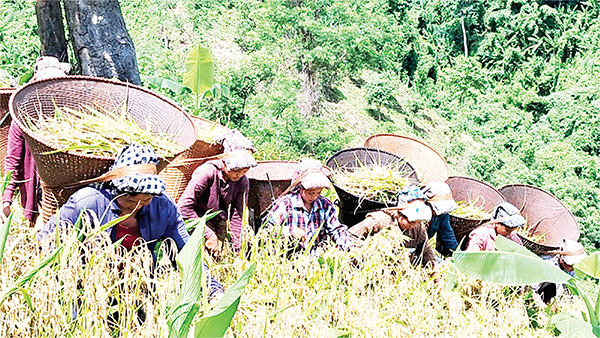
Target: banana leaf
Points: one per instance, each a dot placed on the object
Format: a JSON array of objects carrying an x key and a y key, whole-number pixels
[
  {"x": 165, "y": 84},
  {"x": 189, "y": 260},
  {"x": 216, "y": 322},
  {"x": 199, "y": 70},
  {"x": 508, "y": 268},
  {"x": 572, "y": 327},
  {"x": 590, "y": 265}
]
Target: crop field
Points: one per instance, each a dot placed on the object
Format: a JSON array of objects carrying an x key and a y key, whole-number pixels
[{"x": 94, "y": 288}]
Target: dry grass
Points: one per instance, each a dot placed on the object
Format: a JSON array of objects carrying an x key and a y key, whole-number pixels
[{"x": 372, "y": 292}]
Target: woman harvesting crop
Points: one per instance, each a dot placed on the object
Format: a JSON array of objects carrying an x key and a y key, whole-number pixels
[
  {"x": 505, "y": 220},
  {"x": 136, "y": 193},
  {"x": 222, "y": 186},
  {"x": 304, "y": 214}
]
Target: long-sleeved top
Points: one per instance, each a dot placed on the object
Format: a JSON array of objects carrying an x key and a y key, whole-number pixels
[
  {"x": 208, "y": 191},
  {"x": 376, "y": 221},
  {"x": 157, "y": 220},
  {"x": 289, "y": 211},
  {"x": 19, "y": 160},
  {"x": 484, "y": 238}
]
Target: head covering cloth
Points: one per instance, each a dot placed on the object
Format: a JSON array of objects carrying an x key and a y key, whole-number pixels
[{"x": 234, "y": 142}]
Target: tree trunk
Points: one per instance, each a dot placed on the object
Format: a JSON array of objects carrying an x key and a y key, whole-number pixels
[
  {"x": 309, "y": 96},
  {"x": 51, "y": 29},
  {"x": 100, "y": 40}
]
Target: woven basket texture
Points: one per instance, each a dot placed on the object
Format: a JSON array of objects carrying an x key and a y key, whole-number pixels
[
  {"x": 465, "y": 189},
  {"x": 5, "y": 120},
  {"x": 63, "y": 168},
  {"x": 428, "y": 163},
  {"x": 280, "y": 176},
  {"x": 536, "y": 247},
  {"x": 357, "y": 157},
  {"x": 176, "y": 175},
  {"x": 546, "y": 215}
]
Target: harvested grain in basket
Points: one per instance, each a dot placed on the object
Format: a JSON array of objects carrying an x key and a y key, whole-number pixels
[
  {"x": 472, "y": 209},
  {"x": 94, "y": 130},
  {"x": 373, "y": 182}
]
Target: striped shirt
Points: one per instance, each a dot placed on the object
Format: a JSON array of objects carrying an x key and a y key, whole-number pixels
[{"x": 289, "y": 211}]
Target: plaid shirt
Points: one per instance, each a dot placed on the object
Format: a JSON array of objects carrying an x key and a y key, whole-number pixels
[{"x": 289, "y": 211}]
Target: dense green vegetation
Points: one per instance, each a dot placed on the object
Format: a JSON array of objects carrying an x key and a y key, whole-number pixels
[{"x": 506, "y": 90}]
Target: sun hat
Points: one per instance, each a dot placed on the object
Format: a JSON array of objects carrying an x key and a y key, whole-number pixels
[
  {"x": 439, "y": 197},
  {"x": 572, "y": 252},
  {"x": 137, "y": 183},
  {"x": 507, "y": 215},
  {"x": 240, "y": 149},
  {"x": 310, "y": 173},
  {"x": 416, "y": 210}
]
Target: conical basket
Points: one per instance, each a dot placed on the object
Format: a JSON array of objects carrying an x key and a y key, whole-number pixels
[
  {"x": 547, "y": 217},
  {"x": 352, "y": 204},
  {"x": 469, "y": 189},
  {"x": 428, "y": 163},
  {"x": 178, "y": 174},
  {"x": 63, "y": 168}
]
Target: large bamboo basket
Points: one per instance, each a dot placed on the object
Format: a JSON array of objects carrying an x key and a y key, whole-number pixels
[
  {"x": 428, "y": 163},
  {"x": 63, "y": 168},
  {"x": 353, "y": 206},
  {"x": 5, "y": 120},
  {"x": 177, "y": 175},
  {"x": 546, "y": 215},
  {"x": 465, "y": 189},
  {"x": 266, "y": 175}
]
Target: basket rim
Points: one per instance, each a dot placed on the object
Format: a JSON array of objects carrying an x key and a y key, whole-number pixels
[
  {"x": 410, "y": 139},
  {"x": 91, "y": 79},
  {"x": 8, "y": 90}
]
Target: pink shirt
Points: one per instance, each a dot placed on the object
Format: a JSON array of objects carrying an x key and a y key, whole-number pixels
[{"x": 484, "y": 238}]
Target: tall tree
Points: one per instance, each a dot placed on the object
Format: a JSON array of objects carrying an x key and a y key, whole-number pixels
[
  {"x": 100, "y": 40},
  {"x": 51, "y": 29}
]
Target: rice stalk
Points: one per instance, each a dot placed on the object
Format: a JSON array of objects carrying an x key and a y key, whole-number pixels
[
  {"x": 94, "y": 130},
  {"x": 374, "y": 182},
  {"x": 472, "y": 209}
]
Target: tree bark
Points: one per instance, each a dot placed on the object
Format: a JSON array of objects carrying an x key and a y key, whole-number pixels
[
  {"x": 100, "y": 40},
  {"x": 51, "y": 30}
]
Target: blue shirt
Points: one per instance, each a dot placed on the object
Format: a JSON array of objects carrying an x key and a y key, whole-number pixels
[{"x": 160, "y": 219}]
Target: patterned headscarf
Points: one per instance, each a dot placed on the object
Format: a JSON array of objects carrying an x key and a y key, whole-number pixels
[
  {"x": 135, "y": 154},
  {"x": 233, "y": 141}
]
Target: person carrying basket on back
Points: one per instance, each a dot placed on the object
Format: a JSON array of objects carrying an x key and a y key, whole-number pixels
[
  {"x": 304, "y": 215},
  {"x": 221, "y": 186}
]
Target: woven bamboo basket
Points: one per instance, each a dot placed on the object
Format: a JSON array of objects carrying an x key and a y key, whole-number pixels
[
  {"x": 547, "y": 217},
  {"x": 266, "y": 175},
  {"x": 177, "y": 175},
  {"x": 465, "y": 189},
  {"x": 351, "y": 158},
  {"x": 63, "y": 168},
  {"x": 428, "y": 163},
  {"x": 5, "y": 120}
]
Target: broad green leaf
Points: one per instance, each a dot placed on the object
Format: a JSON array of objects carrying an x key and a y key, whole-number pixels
[
  {"x": 216, "y": 322},
  {"x": 189, "y": 260},
  {"x": 590, "y": 265},
  {"x": 572, "y": 327},
  {"x": 6, "y": 182},
  {"x": 4, "y": 230},
  {"x": 25, "y": 77},
  {"x": 165, "y": 84},
  {"x": 507, "y": 268},
  {"x": 199, "y": 70},
  {"x": 506, "y": 245}
]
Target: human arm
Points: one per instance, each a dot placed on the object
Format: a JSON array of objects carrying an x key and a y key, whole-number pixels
[
  {"x": 333, "y": 226},
  {"x": 202, "y": 179},
  {"x": 175, "y": 229},
  {"x": 15, "y": 154},
  {"x": 238, "y": 203}
]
